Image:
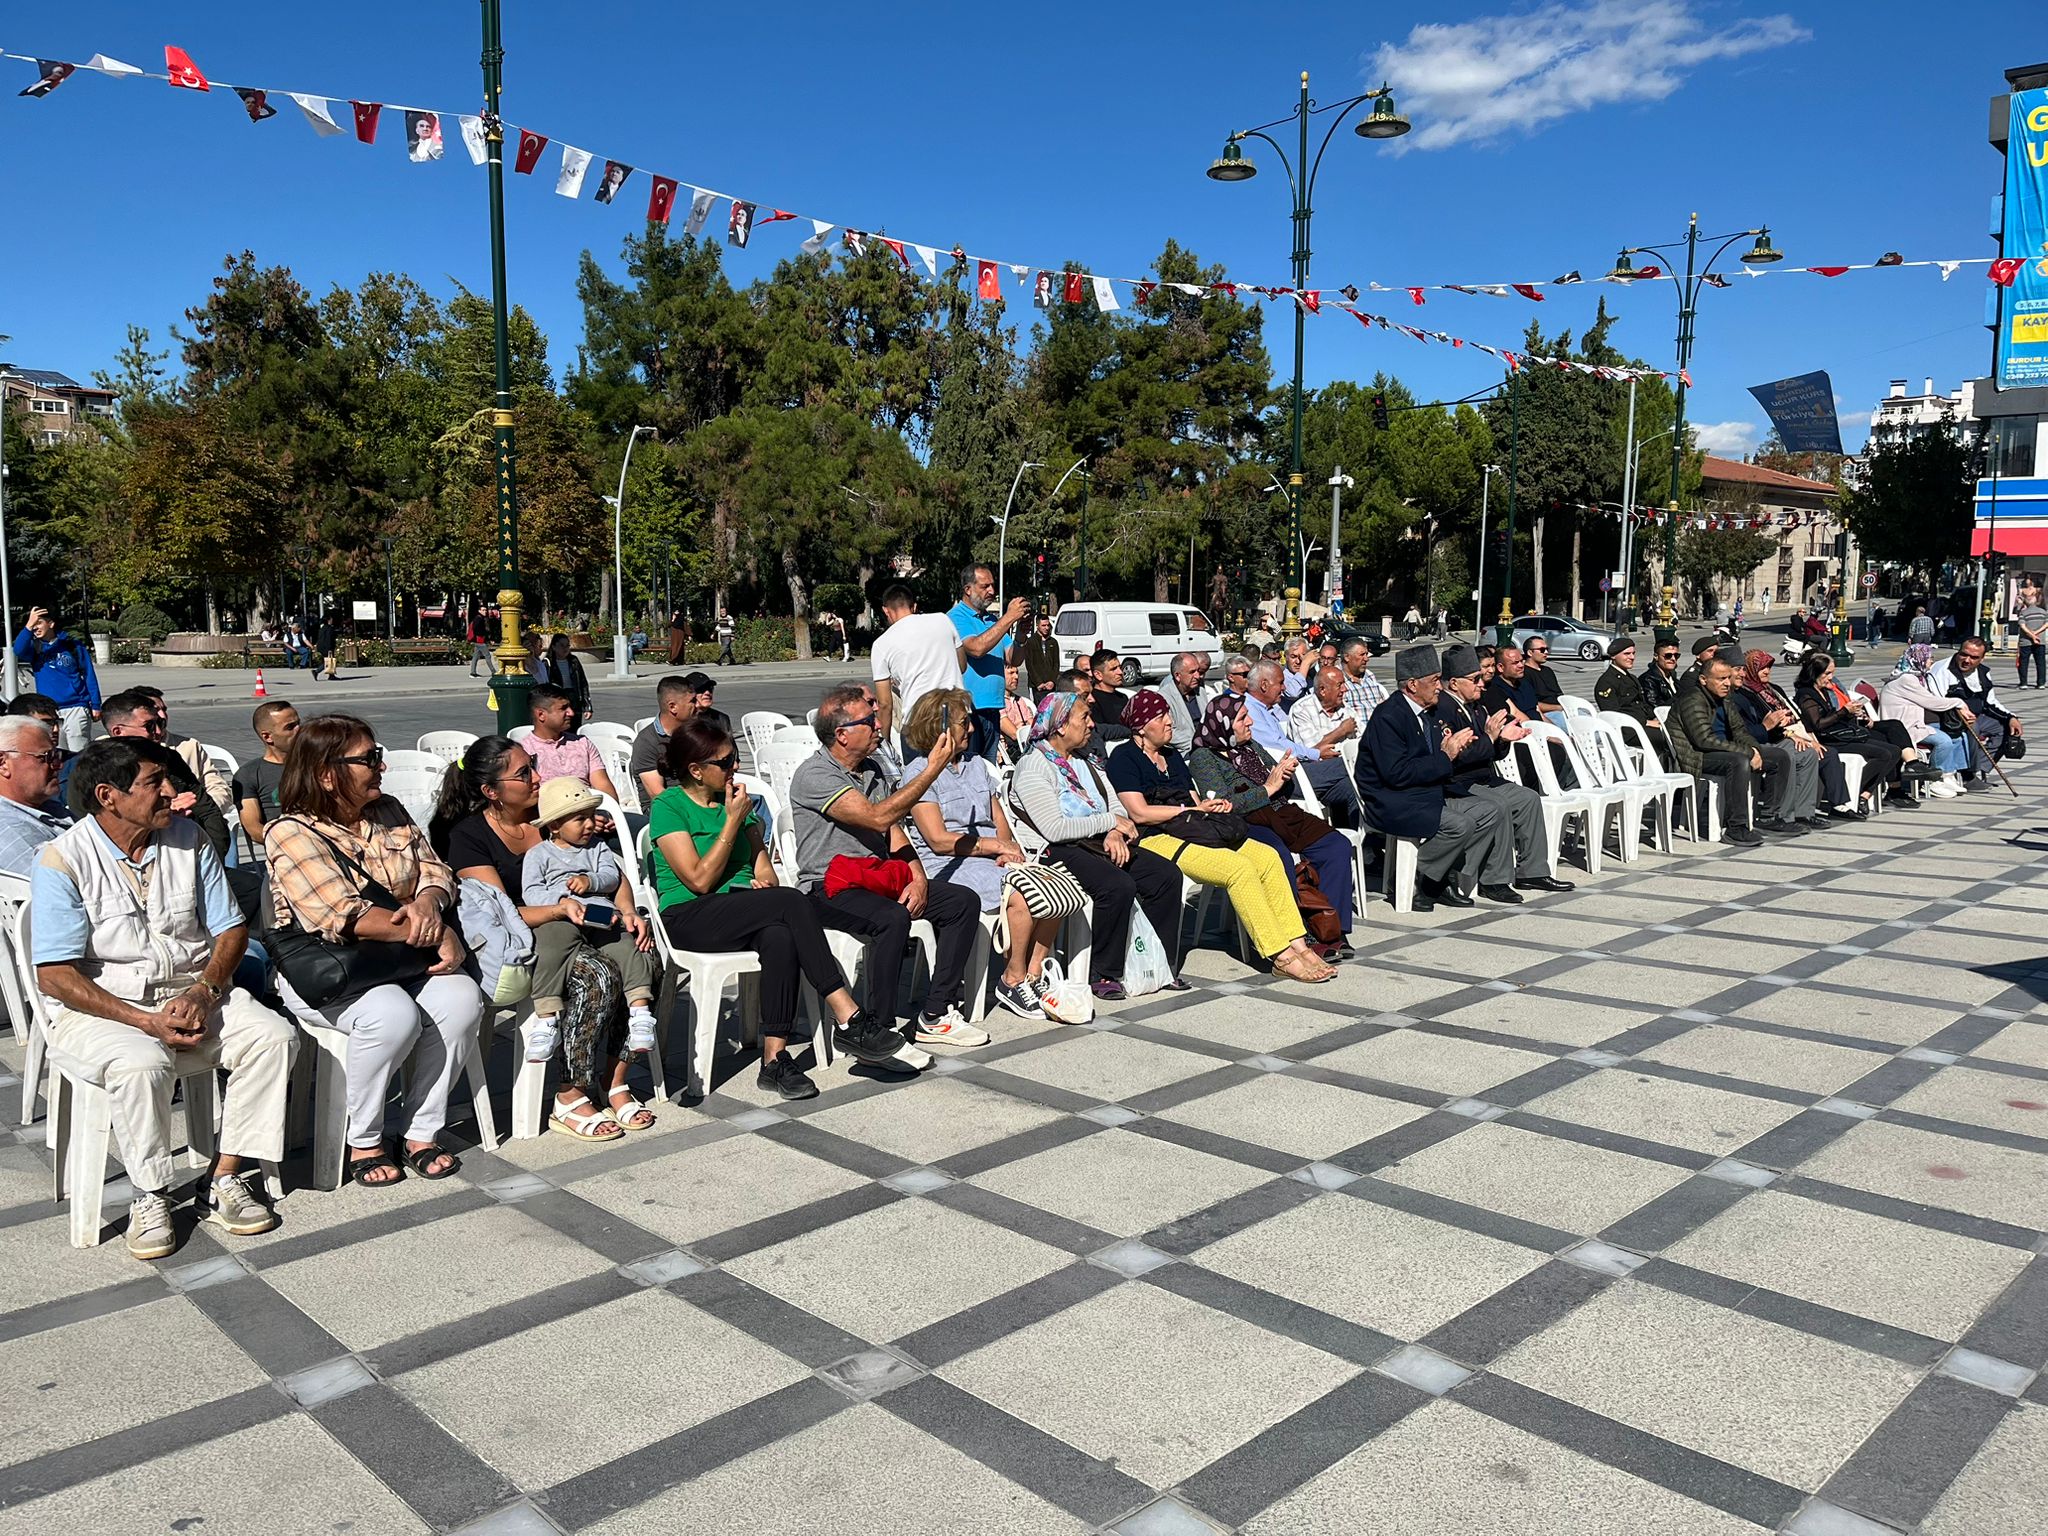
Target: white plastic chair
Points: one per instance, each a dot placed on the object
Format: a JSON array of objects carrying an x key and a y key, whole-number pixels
[
  {"x": 518, "y": 733},
  {"x": 414, "y": 780},
  {"x": 447, "y": 745},
  {"x": 1607, "y": 761},
  {"x": 1561, "y": 806},
  {"x": 1636, "y": 759},
  {"x": 756, "y": 725},
  {"x": 1575, "y": 707},
  {"x": 328, "y": 1061},
  {"x": 642, "y": 723},
  {"x": 1355, "y": 836},
  {"x": 24, "y": 1009}
]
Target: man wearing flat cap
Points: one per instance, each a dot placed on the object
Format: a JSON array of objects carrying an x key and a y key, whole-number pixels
[
  {"x": 1619, "y": 690},
  {"x": 1405, "y": 768},
  {"x": 1475, "y": 774}
]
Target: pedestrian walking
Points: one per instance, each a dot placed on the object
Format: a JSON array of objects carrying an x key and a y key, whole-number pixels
[
  {"x": 679, "y": 637},
  {"x": 725, "y": 639},
  {"x": 480, "y": 645}
]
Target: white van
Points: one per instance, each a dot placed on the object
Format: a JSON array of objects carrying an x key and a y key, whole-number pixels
[{"x": 1146, "y": 635}]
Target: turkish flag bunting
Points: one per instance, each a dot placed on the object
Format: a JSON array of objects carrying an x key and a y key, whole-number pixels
[
  {"x": 2004, "y": 270},
  {"x": 774, "y": 216},
  {"x": 1312, "y": 300},
  {"x": 901, "y": 254},
  {"x": 256, "y": 103},
  {"x": 530, "y": 146},
  {"x": 1416, "y": 295},
  {"x": 366, "y": 119},
  {"x": 1073, "y": 290},
  {"x": 988, "y": 283},
  {"x": 1528, "y": 291},
  {"x": 183, "y": 72},
  {"x": 1649, "y": 271},
  {"x": 660, "y": 200},
  {"x": 1828, "y": 271}
]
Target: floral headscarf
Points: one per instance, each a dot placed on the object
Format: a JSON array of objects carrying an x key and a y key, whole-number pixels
[
  {"x": 1919, "y": 659},
  {"x": 1217, "y": 733},
  {"x": 1754, "y": 665},
  {"x": 1053, "y": 710}
]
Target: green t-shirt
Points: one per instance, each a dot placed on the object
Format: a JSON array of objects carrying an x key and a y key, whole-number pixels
[{"x": 674, "y": 811}]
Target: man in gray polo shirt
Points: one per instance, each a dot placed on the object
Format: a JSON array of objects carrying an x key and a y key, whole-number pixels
[{"x": 844, "y": 805}]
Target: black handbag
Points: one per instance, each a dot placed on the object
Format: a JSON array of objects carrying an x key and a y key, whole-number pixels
[
  {"x": 325, "y": 975},
  {"x": 1208, "y": 829}
]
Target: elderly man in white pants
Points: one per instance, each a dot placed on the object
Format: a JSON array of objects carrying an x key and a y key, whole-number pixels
[{"x": 136, "y": 940}]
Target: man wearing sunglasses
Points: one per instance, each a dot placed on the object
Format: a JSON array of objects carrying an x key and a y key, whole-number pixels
[
  {"x": 1659, "y": 680},
  {"x": 133, "y": 716},
  {"x": 29, "y": 817}
]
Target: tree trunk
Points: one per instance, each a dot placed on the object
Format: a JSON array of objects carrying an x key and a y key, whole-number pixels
[
  {"x": 212, "y": 610},
  {"x": 799, "y": 603},
  {"x": 1536, "y": 559},
  {"x": 1162, "y": 575},
  {"x": 1578, "y": 584},
  {"x": 867, "y": 608}
]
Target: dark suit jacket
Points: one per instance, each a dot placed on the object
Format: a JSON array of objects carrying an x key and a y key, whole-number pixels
[
  {"x": 1402, "y": 771},
  {"x": 1475, "y": 765}
]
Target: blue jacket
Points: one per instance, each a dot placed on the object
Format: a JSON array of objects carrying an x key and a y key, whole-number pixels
[
  {"x": 63, "y": 668},
  {"x": 1402, "y": 771}
]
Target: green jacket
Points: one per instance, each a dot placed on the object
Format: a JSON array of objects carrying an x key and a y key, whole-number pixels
[{"x": 1692, "y": 733}]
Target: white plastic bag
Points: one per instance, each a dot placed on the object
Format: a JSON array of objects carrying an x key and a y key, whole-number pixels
[
  {"x": 1147, "y": 966},
  {"x": 1066, "y": 1000}
]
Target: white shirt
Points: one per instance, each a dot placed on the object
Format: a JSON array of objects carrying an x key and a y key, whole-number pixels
[
  {"x": 916, "y": 654},
  {"x": 1310, "y": 722}
]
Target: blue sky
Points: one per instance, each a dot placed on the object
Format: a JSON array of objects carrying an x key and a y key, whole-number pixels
[{"x": 1546, "y": 136}]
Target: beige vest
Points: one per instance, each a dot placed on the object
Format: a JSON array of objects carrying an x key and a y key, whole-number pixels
[{"x": 136, "y": 951}]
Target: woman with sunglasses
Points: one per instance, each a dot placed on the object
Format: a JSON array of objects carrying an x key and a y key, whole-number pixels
[
  {"x": 335, "y": 826},
  {"x": 487, "y": 820},
  {"x": 716, "y": 890}
]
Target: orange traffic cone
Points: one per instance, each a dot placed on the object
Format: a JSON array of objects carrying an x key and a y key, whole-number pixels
[{"x": 261, "y": 692}]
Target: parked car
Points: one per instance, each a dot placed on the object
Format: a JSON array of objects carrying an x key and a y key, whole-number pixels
[
  {"x": 1146, "y": 635},
  {"x": 1567, "y": 637}
]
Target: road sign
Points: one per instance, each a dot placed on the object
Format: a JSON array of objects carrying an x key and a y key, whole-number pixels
[
  {"x": 365, "y": 610},
  {"x": 1606, "y": 585},
  {"x": 1869, "y": 581}
]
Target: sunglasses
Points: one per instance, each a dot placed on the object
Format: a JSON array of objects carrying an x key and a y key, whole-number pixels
[
  {"x": 848, "y": 725},
  {"x": 724, "y": 764},
  {"x": 374, "y": 758},
  {"x": 522, "y": 775}
]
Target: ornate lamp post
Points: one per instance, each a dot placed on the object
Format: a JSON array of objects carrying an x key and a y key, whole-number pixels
[
  {"x": 1383, "y": 122},
  {"x": 512, "y": 688},
  {"x": 1763, "y": 253}
]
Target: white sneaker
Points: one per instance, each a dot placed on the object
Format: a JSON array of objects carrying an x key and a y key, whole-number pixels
[
  {"x": 640, "y": 1030},
  {"x": 542, "y": 1036},
  {"x": 150, "y": 1232},
  {"x": 1942, "y": 789},
  {"x": 949, "y": 1028}
]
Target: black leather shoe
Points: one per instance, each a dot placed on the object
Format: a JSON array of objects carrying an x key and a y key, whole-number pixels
[
  {"x": 1423, "y": 902},
  {"x": 1447, "y": 893},
  {"x": 1545, "y": 883},
  {"x": 1504, "y": 894},
  {"x": 1742, "y": 837}
]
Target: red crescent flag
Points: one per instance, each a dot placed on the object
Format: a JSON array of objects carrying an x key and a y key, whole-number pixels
[
  {"x": 897, "y": 246},
  {"x": 661, "y": 200},
  {"x": 1312, "y": 300},
  {"x": 987, "y": 283},
  {"x": 184, "y": 73},
  {"x": 1072, "y": 291},
  {"x": 530, "y": 146},
  {"x": 366, "y": 119},
  {"x": 1416, "y": 295},
  {"x": 1828, "y": 271},
  {"x": 2004, "y": 270},
  {"x": 1528, "y": 291}
]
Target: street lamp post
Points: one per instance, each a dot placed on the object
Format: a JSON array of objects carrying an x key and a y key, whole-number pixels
[
  {"x": 1763, "y": 253},
  {"x": 1486, "y": 474},
  {"x": 1383, "y": 122},
  {"x": 1003, "y": 524},
  {"x": 6, "y": 580},
  {"x": 1081, "y": 580},
  {"x": 303, "y": 553},
  {"x": 512, "y": 688},
  {"x": 622, "y": 646},
  {"x": 1628, "y": 517},
  {"x": 1504, "y": 627}
]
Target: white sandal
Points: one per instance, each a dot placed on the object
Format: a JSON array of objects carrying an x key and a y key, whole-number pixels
[
  {"x": 581, "y": 1118},
  {"x": 632, "y": 1106}
]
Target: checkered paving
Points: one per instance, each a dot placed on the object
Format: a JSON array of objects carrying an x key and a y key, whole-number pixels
[{"x": 1709, "y": 1198}]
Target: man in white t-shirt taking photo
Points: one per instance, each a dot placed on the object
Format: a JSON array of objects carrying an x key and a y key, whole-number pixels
[{"x": 915, "y": 654}]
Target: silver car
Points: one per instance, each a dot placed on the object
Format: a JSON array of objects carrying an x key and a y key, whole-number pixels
[{"x": 1567, "y": 637}]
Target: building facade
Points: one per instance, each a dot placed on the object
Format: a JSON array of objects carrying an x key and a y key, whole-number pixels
[
  {"x": 1797, "y": 514},
  {"x": 55, "y": 408}
]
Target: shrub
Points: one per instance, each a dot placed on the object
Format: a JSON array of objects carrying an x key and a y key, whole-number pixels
[{"x": 143, "y": 621}]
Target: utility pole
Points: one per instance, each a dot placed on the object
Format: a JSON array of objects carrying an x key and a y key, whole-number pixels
[
  {"x": 6, "y": 579},
  {"x": 1333, "y": 579},
  {"x": 1486, "y": 474},
  {"x": 512, "y": 687}
]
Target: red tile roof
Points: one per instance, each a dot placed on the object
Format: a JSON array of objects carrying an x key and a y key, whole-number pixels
[{"x": 1735, "y": 472}]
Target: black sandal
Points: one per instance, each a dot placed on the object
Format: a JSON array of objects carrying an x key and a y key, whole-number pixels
[
  {"x": 358, "y": 1166},
  {"x": 421, "y": 1158}
]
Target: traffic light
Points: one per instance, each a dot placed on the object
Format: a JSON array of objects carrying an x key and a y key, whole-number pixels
[{"x": 1379, "y": 412}]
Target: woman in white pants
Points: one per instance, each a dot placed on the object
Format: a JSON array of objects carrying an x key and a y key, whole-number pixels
[{"x": 335, "y": 836}]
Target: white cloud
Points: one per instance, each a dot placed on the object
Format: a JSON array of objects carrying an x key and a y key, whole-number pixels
[
  {"x": 1465, "y": 82},
  {"x": 1726, "y": 438}
]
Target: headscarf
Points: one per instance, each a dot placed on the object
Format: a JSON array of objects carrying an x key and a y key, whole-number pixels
[
  {"x": 1146, "y": 705},
  {"x": 1754, "y": 665},
  {"x": 1217, "y": 733},
  {"x": 1053, "y": 710},
  {"x": 1919, "y": 659}
]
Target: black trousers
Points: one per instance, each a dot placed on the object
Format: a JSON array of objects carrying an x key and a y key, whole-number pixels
[
  {"x": 1880, "y": 758},
  {"x": 1148, "y": 880},
  {"x": 1744, "y": 791},
  {"x": 954, "y": 913},
  {"x": 777, "y": 924}
]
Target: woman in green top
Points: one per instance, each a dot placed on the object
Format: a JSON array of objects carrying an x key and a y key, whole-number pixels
[{"x": 716, "y": 891}]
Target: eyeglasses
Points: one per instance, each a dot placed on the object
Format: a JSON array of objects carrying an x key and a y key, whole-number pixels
[
  {"x": 374, "y": 758},
  {"x": 50, "y": 759},
  {"x": 523, "y": 775}
]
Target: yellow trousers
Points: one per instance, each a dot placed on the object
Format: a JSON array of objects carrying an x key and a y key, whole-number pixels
[{"x": 1254, "y": 879}]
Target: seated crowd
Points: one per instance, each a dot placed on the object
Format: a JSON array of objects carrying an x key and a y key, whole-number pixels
[{"x": 1274, "y": 784}]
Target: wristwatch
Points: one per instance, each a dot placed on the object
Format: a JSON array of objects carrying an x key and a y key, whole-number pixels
[{"x": 217, "y": 992}]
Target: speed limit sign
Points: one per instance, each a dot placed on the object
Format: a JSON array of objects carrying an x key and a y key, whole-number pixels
[{"x": 1869, "y": 581}]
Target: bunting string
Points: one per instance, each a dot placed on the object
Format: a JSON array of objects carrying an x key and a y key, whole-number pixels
[{"x": 424, "y": 141}]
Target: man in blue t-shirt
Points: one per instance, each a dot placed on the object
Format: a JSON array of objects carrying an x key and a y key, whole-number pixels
[{"x": 984, "y": 643}]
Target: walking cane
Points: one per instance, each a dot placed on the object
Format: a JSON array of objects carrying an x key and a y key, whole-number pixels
[{"x": 1977, "y": 748}]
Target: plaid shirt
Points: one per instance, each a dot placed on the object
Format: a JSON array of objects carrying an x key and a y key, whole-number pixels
[
  {"x": 1363, "y": 694},
  {"x": 308, "y": 885}
]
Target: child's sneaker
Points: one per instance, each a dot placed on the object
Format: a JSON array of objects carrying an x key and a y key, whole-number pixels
[
  {"x": 542, "y": 1036},
  {"x": 640, "y": 1030}
]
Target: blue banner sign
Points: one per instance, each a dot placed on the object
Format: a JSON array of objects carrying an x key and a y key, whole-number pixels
[
  {"x": 1803, "y": 411},
  {"x": 2023, "y": 307}
]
